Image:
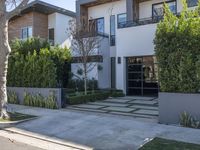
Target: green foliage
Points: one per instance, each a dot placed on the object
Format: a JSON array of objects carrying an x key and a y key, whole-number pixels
[
  {"x": 186, "y": 120},
  {"x": 34, "y": 64},
  {"x": 25, "y": 47},
  {"x": 37, "y": 100},
  {"x": 12, "y": 98},
  {"x": 80, "y": 99},
  {"x": 116, "y": 93},
  {"x": 177, "y": 49},
  {"x": 79, "y": 84}
]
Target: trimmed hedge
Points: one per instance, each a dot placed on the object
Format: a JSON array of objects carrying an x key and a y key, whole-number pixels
[
  {"x": 177, "y": 50},
  {"x": 80, "y": 99},
  {"x": 33, "y": 63}
]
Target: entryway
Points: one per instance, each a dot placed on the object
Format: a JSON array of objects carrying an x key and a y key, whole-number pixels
[
  {"x": 135, "y": 106},
  {"x": 142, "y": 76}
]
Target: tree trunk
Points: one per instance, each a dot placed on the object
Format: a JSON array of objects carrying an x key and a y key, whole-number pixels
[
  {"x": 4, "y": 53},
  {"x": 85, "y": 78}
]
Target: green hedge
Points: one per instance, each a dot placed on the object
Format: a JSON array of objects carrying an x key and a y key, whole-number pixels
[
  {"x": 79, "y": 84},
  {"x": 177, "y": 50},
  {"x": 33, "y": 63},
  {"x": 80, "y": 99}
]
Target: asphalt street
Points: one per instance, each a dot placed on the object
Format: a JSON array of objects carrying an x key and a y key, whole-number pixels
[{"x": 8, "y": 144}]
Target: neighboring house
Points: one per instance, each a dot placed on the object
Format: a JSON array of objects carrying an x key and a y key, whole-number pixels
[
  {"x": 40, "y": 19},
  {"x": 131, "y": 26}
]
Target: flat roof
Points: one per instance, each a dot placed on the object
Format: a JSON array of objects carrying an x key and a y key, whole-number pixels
[{"x": 46, "y": 8}]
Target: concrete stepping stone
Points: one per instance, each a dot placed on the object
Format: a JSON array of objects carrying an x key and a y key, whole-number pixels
[
  {"x": 89, "y": 106},
  {"x": 85, "y": 109},
  {"x": 109, "y": 104},
  {"x": 133, "y": 115},
  {"x": 119, "y": 109},
  {"x": 146, "y": 112},
  {"x": 143, "y": 102},
  {"x": 117, "y": 100},
  {"x": 143, "y": 98},
  {"x": 144, "y": 107},
  {"x": 126, "y": 98}
]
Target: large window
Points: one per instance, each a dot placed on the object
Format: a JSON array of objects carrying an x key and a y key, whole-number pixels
[
  {"x": 192, "y": 3},
  {"x": 158, "y": 9},
  {"x": 97, "y": 25},
  {"x": 121, "y": 20},
  {"x": 112, "y": 30},
  {"x": 26, "y": 32}
]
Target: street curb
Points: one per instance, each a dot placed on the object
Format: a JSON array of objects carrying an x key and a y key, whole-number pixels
[
  {"x": 7, "y": 124},
  {"x": 40, "y": 141}
]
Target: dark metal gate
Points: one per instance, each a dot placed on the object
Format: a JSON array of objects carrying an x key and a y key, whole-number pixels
[{"x": 142, "y": 76}]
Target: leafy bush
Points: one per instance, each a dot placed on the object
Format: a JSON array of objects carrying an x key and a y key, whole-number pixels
[
  {"x": 12, "y": 97},
  {"x": 80, "y": 99},
  {"x": 38, "y": 100},
  {"x": 115, "y": 93},
  {"x": 25, "y": 47},
  {"x": 177, "y": 49},
  {"x": 34, "y": 64},
  {"x": 79, "y": 84},
  {"x": 186, "y": 120}
]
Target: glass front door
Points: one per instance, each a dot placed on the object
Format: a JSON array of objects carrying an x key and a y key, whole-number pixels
[{"x": 142, "y": 76}]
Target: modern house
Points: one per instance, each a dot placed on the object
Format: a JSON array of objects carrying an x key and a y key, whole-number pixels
[
  {"x": 40, "y": 19},
  {"x": 130, "y": 26}
]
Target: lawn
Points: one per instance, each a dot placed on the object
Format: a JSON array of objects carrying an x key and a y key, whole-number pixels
[
  {"x": 163, "y": 144},
  {"x": 17, "y": 117}
]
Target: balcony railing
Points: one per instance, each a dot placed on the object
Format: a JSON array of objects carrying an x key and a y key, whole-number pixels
[{"x": 139, "y": 22}]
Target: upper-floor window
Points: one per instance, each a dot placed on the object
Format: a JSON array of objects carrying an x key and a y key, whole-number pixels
[
  {"x": 192, "y": 3},
  {"x": 121, "y": 19},
  {"x": 158, "y": 9},
  {"x": 112, "y": 30},
  {"x": 97, "y": 25},
  {"x": 26, "y": 32},
  {"x": 51, "y": 37}
]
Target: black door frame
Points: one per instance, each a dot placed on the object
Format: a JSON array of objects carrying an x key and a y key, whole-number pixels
[{"x": 142, "y": 78}]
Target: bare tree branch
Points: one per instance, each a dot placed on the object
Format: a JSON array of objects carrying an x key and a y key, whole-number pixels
[{"x": 18, "y": 9}]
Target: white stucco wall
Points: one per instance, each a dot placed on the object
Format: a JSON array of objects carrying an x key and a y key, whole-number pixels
[
  {"x": 133, "y": 41},
  {"x": 60, "y": 23},
  {"x": 106, "y": 10},
  {"x": 92, "y": 74}
]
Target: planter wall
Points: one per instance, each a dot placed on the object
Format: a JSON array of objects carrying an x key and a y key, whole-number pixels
[
  {"x": 45, "y": 92},
  {"x": 172, "y": 105}
]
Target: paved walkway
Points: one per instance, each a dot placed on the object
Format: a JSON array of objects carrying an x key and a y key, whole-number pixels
[
  {"x": 99, "y": 130},
  {"x": 139, "y": 107}
]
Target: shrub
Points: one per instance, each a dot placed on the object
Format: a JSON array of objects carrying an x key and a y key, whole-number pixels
[
  {"x": 12, "y": 97},
  {"x": 79, "y": 84},
  {"x": 177, "y": 50},
  {"x": 34, "y": 64},
  {"x": 80, "y": 99},
  {"x": 186, "y": 120},
  {"x": 37, "y": 100}
]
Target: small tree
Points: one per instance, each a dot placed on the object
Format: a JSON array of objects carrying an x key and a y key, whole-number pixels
[
  {"x": 5, "y": 50},
  {"x": 85, "y": 45},
  {"x": 177, "y": 49}
]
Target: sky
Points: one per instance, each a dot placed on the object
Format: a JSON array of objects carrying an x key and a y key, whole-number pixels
[{"x": 67, "y": 4}]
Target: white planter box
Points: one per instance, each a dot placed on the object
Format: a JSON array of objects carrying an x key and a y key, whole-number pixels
[
  {"x": 43, "y": 91},
  {"x": 172, "y": 105}
]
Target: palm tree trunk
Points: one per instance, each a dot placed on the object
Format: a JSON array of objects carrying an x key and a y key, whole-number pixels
[{"x": 4, "y": 54}]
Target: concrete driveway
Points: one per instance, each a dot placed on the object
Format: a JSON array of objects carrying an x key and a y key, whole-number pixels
[{"x": 101, "y": 131}]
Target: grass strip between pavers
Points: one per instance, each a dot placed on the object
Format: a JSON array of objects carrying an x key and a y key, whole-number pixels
[
  {"x": 17, "y": 117},
  {"x": 163, "y": 144}
]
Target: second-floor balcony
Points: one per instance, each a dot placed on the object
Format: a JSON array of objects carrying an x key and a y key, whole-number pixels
[{"x": 139, "y": 22}]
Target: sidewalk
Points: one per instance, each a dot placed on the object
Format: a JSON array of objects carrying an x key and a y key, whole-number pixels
[{"x": 100, "y": 131}]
